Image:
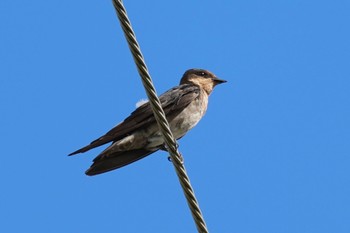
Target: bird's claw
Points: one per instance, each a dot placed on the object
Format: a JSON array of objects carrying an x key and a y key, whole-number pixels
[
  {"x": 164, "y": 147},
  {"x": 181, "y": 159}
]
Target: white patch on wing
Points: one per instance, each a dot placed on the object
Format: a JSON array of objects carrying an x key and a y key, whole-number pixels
[{"x": 141, "y": 102}]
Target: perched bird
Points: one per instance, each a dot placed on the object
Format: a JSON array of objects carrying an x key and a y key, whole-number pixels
[{"x": 138, "y": 135}]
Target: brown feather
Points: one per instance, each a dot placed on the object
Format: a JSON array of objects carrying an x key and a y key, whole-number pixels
[
  {"x": 117, "y": 160},
  {"x": 173, "y": 102}
]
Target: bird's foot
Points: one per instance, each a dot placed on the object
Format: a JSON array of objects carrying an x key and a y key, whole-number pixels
[
  {"x": 165, "y": 147},
  {"x": 181, "y": 159}
]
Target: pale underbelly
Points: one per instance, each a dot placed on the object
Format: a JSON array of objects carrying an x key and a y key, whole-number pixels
[{"x": 181, "y": 124}]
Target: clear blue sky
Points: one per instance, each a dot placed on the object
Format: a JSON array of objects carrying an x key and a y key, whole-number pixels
[{"x": 271, "y": 155}]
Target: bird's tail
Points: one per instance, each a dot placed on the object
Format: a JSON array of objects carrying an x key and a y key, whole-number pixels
[{"x": 116, "y": 160}]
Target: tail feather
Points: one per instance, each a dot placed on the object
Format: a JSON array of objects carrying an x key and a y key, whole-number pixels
[
  {"x": 98, "y": 142},
  {"x": 117, "y": 160},
  {"x": 82, "y": 150}
]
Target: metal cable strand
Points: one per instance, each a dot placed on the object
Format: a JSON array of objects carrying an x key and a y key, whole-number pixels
[{"x": 158, "y": 112}]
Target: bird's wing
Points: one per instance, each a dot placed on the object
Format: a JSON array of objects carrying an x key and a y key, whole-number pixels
[
  {"x": 173, "y": 102},
  {"x": 117, "y": 160}
]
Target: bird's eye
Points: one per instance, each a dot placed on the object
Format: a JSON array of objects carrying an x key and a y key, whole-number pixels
[{"x": 203, "y": 74}]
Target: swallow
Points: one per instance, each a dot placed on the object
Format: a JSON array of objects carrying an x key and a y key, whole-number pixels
[{"x": 138, "y": 135}]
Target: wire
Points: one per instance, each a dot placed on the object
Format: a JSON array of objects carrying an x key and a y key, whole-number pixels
[{"x": 170, "y": 141}]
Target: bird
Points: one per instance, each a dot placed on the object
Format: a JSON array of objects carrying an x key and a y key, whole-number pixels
[{"x": 139, "y": 136}]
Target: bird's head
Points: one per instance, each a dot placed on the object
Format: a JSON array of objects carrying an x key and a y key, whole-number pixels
[{"x": 202, "y": 78}]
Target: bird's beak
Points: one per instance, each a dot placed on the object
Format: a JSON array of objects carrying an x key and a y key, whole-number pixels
[{"x": 218, "y": 81}]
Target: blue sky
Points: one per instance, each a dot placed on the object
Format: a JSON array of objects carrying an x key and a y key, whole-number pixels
[{"x": 271, "y": 155}]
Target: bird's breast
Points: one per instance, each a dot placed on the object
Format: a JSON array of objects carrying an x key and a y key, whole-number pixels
[
  {"x": 190, "y": 116},
  {"x": 184, "y": 121}
]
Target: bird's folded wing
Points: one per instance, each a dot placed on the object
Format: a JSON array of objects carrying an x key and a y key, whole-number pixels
[{"x": 173, "y": 102}]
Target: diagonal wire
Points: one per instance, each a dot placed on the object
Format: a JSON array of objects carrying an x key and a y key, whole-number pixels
[{"x": 158, "y": 112}]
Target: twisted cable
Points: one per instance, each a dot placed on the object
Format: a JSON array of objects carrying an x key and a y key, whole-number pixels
[{"x": 170, "y": 141}]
